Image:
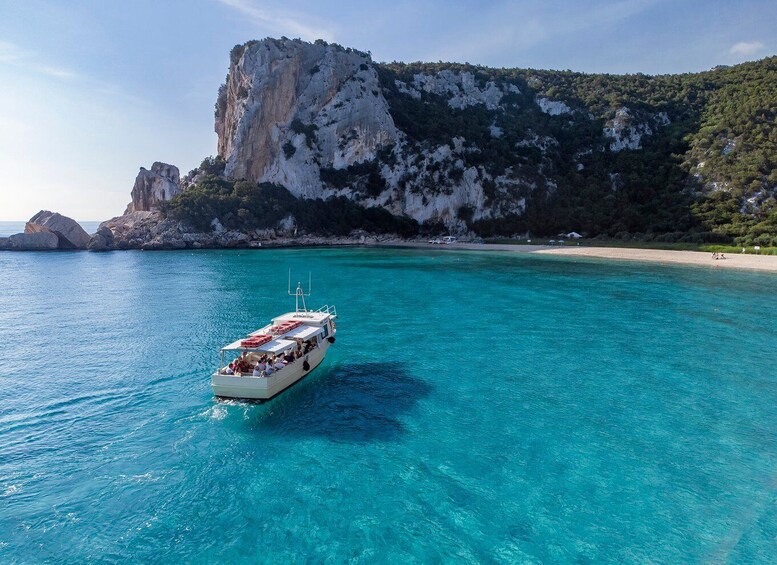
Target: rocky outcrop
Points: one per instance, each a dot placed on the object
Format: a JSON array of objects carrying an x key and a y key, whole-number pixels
[
  {"x": 69, "y": 233},
  {"x": 102, "y": 240},
  {"x": 553, "y": 107},
  {"x": 150, "y": 231},
  {"x": 291, "y": 108},
  {"x": 36, "y": 241},
  {"x": 460, "y": 89},
  {"x": 153, "y": 187},
  {"x": 626, "y": 132}
]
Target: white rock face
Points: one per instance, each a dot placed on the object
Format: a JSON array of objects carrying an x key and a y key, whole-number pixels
[
  {"x": 627, "y": 133},
  {"x": 553, "y": 107},
  {"x": 152, "y": 187},
  {"x": 460, "y": 89},
  {"x": 290, "y": 108},
  {"x": 623, "y": 134}
]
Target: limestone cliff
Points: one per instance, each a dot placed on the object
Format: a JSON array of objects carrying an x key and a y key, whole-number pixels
[
  {"x": 321, "y": 120},
  {"x": 290, "y": 108},
  {"x": 502, "y": 150},
  {"x": 305, "y": 116}
]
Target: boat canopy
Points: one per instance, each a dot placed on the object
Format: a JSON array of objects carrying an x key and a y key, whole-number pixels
[
  {"x": 303, "y": 332},
  {"x": 275, "y": 346}
]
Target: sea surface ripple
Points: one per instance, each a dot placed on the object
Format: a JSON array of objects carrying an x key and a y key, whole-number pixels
[{"x": 476, "y": 408}]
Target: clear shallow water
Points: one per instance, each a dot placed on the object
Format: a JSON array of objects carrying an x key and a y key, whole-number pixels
[{"x": 474, "y": 408}]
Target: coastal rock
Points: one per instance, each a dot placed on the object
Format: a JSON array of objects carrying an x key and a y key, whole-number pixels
[
  {"x": 70, "y": 234},
  {"x": 290, "y": 108},
  {"x": 42, "y": 240},
  {"x": 153, "y": 187},
  {"x": 102, "y": 240},
  {"x": 553, "y": 107},
  {"x": 216, "y": 225}
]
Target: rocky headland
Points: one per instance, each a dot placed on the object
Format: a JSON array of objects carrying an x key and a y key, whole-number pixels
[{"x": 317, "y": 144}]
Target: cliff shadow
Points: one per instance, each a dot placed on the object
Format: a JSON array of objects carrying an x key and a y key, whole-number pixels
[{"x": 358, "y": 402}]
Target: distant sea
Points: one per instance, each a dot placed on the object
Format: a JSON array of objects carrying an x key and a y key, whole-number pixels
[
  {"x": 10, "y": 228},
  {"x": 475, "y": 408}
]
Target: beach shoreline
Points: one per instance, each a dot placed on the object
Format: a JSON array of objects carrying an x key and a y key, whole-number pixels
[
  {"x": 749, "y": 262},
  {"x": 763, "y": 263}
]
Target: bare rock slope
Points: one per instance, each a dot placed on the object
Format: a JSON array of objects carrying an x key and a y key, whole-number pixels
[{"x": 290, "y": 108}]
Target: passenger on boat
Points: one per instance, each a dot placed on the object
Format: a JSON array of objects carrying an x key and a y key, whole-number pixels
[
  {"x": 241, "y": 363},
  {"x": 279, "y": 364},
  {"x": 269, "y": 370},
  {"x": 230, "y": 369},
  {"x": 256, "y": 372},
  {"x": 289, "y": 357}
]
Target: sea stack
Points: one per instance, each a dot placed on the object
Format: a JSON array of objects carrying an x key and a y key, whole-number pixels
[{"x": 160, "y": 184}]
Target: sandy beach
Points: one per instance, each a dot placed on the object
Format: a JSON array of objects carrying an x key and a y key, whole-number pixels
[{"x": 697, "y": 258}]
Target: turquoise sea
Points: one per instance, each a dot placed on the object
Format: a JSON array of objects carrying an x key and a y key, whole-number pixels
[{"x": 475, "y": 408}]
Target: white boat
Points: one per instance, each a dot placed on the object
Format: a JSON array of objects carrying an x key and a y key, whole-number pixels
[{"x": 308, "y": 333}]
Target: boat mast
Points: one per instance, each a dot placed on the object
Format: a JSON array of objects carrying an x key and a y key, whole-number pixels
[{"x": 299, "y": 294}]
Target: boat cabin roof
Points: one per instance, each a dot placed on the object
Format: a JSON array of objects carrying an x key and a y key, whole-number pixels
[
  {"x": 311, "y": 318},
  {"x": 275, "y": 346},
  {"x": 303, "y": 332}
]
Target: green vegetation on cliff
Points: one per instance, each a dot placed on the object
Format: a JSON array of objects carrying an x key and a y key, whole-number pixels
[
  {"x": 705, "y": 171},
  {"x": 245, "y": 206},
  {"x": 688, "y": 158}
]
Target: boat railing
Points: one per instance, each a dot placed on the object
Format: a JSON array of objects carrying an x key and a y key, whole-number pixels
[{"x": 327, "y": 309}]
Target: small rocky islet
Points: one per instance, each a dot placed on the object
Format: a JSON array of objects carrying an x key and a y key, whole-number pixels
[{"x": 312, "y": 130}]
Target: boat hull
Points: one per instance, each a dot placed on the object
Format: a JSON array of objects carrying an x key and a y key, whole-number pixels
[{"x": 264, "y": 388}]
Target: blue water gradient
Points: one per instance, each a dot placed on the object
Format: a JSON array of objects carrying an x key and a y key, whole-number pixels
[{"x": 475, "y": 408}]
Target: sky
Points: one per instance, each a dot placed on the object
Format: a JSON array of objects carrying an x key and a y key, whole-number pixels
[{"x": 91, "y": 90}]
